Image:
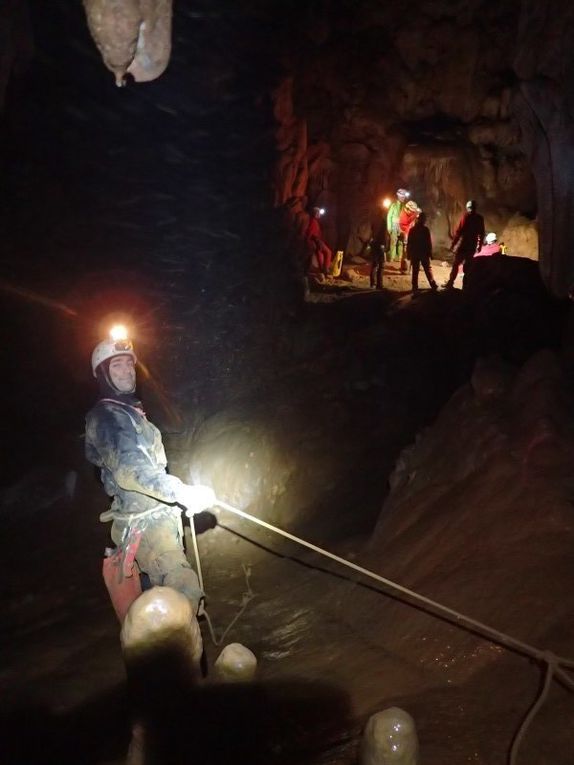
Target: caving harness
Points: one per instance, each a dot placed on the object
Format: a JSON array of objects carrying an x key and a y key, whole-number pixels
[{"x": 120, "y": 570}]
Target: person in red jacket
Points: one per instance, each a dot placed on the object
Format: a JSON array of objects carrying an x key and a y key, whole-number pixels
[
  {"x": 315, "y": 244},
  {"x": 419, "y": 252},
  {"x": 469, "y": 236},
  {"x": 407, "y": 219}
]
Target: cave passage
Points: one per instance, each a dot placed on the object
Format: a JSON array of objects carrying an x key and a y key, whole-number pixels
[{"x": 426, "y": 435}]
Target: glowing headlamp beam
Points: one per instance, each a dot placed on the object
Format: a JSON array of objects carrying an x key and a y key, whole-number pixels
[{"x": 118, "y": 332}]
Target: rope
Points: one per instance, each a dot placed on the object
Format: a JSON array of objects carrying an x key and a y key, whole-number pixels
[
  {"x": 550, "y": 668},
  {"x": 196, "y": 553},
  {"x": 451, "y": 614},
  {"x": 117, "y": 515},
  {"x": 553, "y": 663},
  {"x": 248, "y": 596}
]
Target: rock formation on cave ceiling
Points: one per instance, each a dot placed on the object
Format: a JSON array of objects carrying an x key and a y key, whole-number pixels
[{"x": 133, "y": 36}]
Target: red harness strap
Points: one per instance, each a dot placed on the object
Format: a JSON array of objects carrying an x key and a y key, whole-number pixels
[{"x": 121, "y": 575}]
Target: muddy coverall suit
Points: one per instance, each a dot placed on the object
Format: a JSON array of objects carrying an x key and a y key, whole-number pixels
[
  {"x": 396, "y": 243},
  {"x": 129, "y": 450},
  {"x": 419, "y": 248},
  {"x": 469, "y": 236}
]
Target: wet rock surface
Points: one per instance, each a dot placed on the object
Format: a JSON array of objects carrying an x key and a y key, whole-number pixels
[{"x": 332, "y": 651}]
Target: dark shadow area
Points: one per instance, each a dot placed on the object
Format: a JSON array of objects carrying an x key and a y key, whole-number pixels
[
  {"x": 283, "y": 722},
  {"x": 97, "y": 732}
]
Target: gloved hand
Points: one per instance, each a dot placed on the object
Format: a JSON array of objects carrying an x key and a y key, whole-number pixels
[{"x": 196, "y": 499}]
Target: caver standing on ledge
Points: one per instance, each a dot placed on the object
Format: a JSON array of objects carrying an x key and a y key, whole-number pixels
[
  {"x": 407, "y": 220},
  {"x": 147, "y": 501},
  {"x": 315, "y": 243},
  {"x": 419, "y": 251},
  {"x": 469, "y": 236}
]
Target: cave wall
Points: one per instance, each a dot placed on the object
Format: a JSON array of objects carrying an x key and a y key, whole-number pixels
[
  {"x": 377, "y": 103},
  {"x": 15, "y": 41},
  {"x": 544, "y": 104}
]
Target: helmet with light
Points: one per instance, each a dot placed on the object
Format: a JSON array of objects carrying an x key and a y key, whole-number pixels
[{"x": 117, "y": 344}]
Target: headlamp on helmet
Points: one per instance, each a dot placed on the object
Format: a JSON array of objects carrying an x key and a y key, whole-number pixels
[{"x": 118, "y": 344}]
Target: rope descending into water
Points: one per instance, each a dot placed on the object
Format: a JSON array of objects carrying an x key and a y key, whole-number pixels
[{"x": 248, "y": 595}]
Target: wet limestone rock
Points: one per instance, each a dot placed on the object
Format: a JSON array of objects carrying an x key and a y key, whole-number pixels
[
  {"x": 520, "y": 235},
  {"x": 243, "y": 456},
  {"x": 470, "y": 504},
  {"x": 133, "y": 36},
  {"x": 490, "y": 379},
  {"x": 161, "y": 620},
  {"x": 390, "y": 738},
  {"x": 236, "y": 663}
]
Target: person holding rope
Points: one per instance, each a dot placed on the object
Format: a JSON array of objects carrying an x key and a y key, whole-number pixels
[{"x": 147, "y": 501}]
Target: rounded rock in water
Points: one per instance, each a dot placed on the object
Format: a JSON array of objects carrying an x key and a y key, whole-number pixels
[
  {"x": 236, "y": 663},
  {"x": 390, "y": 738},
  {"x": 161, "y": 616}
]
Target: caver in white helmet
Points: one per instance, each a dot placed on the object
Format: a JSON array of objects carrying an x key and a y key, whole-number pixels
[
  {"x": 109, "y": 348},
  {"x": 490, "y": 238}
]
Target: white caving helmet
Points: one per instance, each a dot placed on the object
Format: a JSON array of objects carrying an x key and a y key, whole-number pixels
[
  {"x": 402, "y": 195},
  {"x": 118, "y": 344},
  {"x": 490, "y": 238},
  {"x": 471, "y": 205}
]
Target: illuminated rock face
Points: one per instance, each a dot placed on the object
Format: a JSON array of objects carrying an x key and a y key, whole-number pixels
[
  {"x": 390, "y": 738},
  {"x": 236, "y": 663},
  {"x": 133, "y": 36},
  {"x": 161, "y": 619}
]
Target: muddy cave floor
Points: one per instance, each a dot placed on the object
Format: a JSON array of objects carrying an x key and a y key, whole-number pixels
[{"x": 62, "y": 679}]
